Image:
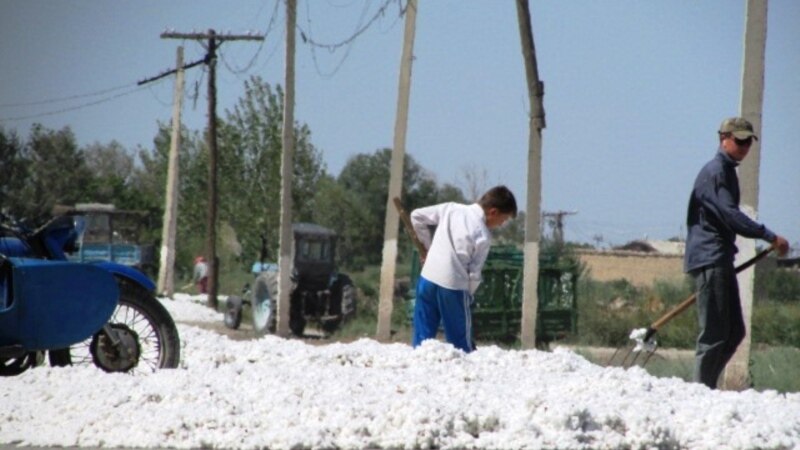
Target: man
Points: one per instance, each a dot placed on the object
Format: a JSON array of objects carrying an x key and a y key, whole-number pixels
[
  {"x": 713, "y": 221},
  {"x": 200, "y": 274}
]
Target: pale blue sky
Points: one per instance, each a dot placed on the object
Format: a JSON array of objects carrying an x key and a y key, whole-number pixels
[{"x": 634, "y": 91}]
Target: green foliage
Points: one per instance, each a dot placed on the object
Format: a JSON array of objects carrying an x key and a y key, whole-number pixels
[
  {"x": 14, "y": 168},
  {"x": 250, "y": 168},
  {"x": 776, "y": 323},
  {"x": 609, "y": 311},
  {"x": 365, "y": 179},
  {"x": 50, "y": 169},
  {"x": 775, "y": 368},
  {"x": 779, "y": 285}
]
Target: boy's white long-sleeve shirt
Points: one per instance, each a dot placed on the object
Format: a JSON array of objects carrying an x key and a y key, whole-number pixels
[{"x": 459, "y": 247}]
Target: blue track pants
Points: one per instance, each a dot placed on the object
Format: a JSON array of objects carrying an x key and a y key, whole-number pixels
[{"x": 435, "y": 305}]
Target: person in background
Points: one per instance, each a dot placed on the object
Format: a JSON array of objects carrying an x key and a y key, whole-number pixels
[
  {"x": 451, "y": 272},
  {"x": 200, "y": 274},
  {"x": 713, "y": 222}
]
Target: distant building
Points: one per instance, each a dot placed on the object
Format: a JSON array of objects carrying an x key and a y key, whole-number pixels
[
  {"x": 651, "y": 246},
  {"x": 640, "y": 262}
]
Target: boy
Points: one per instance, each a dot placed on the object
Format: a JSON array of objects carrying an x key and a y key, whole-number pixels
[{"x": 452, "y": 270}]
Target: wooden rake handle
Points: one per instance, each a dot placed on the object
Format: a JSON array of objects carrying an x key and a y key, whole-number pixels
[
  {"x": 423, "y": 252},
  {"x": 688, "y": 302}
]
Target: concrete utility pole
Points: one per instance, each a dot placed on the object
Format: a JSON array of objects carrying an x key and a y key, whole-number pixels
[
  {"x": 530, "y": 277},
  {"x": 385, "y": 305},
  {"x": 737, "y": 373},
  {"x": 211, "y": 59},
  {"x": 557, "y": 220},
  {"x": 165, "y": 271},
  {"x": 286, "y": 244},
  {"x": 166, "y": 279}
]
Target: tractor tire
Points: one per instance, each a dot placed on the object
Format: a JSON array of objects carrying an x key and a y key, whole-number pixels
[
  {"x": 264, "y": 302},
  {"x": 297, "y": 323},
  {"x": 348, "y": 293}
]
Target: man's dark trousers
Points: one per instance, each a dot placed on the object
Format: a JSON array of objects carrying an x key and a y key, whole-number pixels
[{"x": 719, "y": 314}]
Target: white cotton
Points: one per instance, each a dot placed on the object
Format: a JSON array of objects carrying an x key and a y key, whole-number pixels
[
  {"x": 284, "y": 394},
  {"x": 638, "y": 336}
]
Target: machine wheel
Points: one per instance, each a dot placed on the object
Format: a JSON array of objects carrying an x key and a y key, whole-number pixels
[
  {"x": 297, "y": 319},
  {"x": 233, "y": 312},
  {"x": 14, "y": 366},
  {"x": 143, "y": 326},
  {"x": 348, "y": 292},
  {"x": 297, "y": 325},
  {"x": 264, "y": 303},
  {"x": 330, "y": 325}
]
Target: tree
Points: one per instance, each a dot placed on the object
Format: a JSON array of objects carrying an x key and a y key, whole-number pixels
[
  {"x": 149, "y": 183},
  {"x": 112, "y": 169},
  {"x": 57, "y": 173},
  {"x": 250, "y": 149},
  {"x": 14, "y": 168},
  {"x": 365, "y": 178}
]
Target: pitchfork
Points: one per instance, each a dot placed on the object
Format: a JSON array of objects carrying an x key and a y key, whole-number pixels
[{"x": 644, "y": 344}]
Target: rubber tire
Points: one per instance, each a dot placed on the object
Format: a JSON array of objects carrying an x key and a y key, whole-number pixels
[
  {"x": 134, "y": 296},
  {"x": 15, "y": 366},
  {"x": 348, "y": 293},
  {"x": 297, "y": 320},
  {"x": 233, "y": 312},
  {"x": 265, "y": 288}
]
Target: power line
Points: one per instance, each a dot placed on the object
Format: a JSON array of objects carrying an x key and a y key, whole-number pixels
[
  {"x": 71, "y": 108},
  {"x": 308, "y": 39},
  {"x": 333, "y": 47},
  {"x": 64, "y": 99},
  {"x": 249, "y": 65}
]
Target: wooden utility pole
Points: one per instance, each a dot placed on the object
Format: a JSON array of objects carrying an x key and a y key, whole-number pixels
[
  {"x": 737, "y": 372},
  {"x": 286, "y": 244},
  {"x": 165, "y": 271},
  {"x": 391, "y": 224},
  {"x": 211, "y": 227},
  {"x": 530, "y": 277},
  {"x": 166, "y": 279}
]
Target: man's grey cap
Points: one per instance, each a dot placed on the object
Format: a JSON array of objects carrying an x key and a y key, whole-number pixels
[{"x": 739, "y": 127}]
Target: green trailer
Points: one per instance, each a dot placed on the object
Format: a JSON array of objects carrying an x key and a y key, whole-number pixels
[{"x": 497, "y": 310}]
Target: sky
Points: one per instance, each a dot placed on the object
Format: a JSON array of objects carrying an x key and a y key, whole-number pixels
[
  {"x": 634, "y": 91},
  {"x": 284, "y": 393}
]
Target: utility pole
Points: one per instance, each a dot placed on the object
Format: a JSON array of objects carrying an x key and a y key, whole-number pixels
[
  {"x": 166, "y": 279},
  {"x": 737, "y": 373},
  {"x": 165, "y": 271},
  {"x": 391, "y": 224},
  {"x": 557, "y": 221},
  {"x": 214, "y": 40},
  {"x": 286, "y": 243},
  {"x": 530, "y": 277}
]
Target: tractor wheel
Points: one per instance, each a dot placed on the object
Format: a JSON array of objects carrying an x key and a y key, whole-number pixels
[
  {"x": 348, "y": 299},
  {"x": 264, "y": 302},
  {"x": 297, "y": 319},
  {"x": 344, "y": 297}
]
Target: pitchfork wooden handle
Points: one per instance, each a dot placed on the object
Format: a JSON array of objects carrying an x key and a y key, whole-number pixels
[
  {"x": 688, "y": 302},
  {"x": 423, "y": 252}
]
